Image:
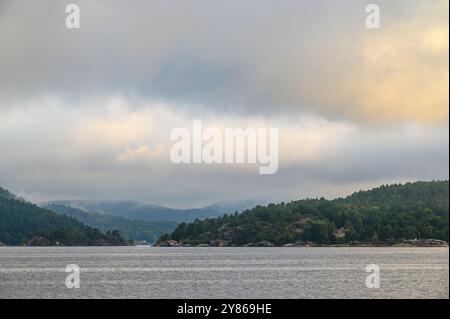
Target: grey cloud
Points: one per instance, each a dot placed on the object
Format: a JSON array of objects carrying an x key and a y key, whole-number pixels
[
  {"x": 40, "y": 161},
  {"x": 248, "y": 58},
  {"x": 243, "y": 56}
]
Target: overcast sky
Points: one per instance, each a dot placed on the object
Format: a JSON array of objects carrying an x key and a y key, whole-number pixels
[{"x": 87, "y": 113}]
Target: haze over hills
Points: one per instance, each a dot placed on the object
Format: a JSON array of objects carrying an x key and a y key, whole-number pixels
[
  {"x": 133, "y": 229},
  {"x": 151, "y": 212},
  {"x": 383, "y": 215},
  {"x": 22, "y": 222}
]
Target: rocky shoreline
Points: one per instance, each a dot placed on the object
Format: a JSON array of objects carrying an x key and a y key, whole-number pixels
[{"x": 403, "y": 243}]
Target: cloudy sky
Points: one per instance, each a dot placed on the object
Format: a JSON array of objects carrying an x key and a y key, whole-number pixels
[{"x": 87, "y": 113}]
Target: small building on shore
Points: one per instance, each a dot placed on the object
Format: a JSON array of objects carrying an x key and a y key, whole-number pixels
[{"x": 339, "y": 232}]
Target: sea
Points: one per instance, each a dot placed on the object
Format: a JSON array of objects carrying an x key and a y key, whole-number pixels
[{"x": 224, "y": 273}]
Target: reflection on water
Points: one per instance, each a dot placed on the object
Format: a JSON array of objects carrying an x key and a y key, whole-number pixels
[{"x": 150, "y": 272}]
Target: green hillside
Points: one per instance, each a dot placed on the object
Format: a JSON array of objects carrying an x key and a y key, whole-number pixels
[
  {"x": 22, "y": 222},
  {"x": 130, "y": 229},
  {"x": 382, "y": 215},
  {"x": 151, "y": 212}
]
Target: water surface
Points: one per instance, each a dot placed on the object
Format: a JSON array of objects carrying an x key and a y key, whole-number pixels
[{"x": 150, "y": 272}]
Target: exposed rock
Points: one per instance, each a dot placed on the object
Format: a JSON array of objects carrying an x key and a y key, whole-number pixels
[
  {"x": 306, "y": 244},
  {"x": 218, "y": 243},
  {"x": 424, "y": 243},
  {"x": 168, "y": 243},
  {"x": 38, "y": 241},
  {"x": 264, "y": 243}
]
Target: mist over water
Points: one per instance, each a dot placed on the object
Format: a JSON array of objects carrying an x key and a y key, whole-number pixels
[{"x": 150, "y": 272}]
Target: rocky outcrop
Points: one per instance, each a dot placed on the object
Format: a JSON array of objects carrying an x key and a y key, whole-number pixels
[
  {"x": 264, "y": 243},
  {"x": 38, "y": 241},
  {"x": 218, "y": 243},
  {"x": 424, "y": 243},
  {"x": 167, "y": 243}
]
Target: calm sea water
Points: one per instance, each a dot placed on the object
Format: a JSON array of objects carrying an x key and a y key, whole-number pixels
[{"x": 149, "y": 272}]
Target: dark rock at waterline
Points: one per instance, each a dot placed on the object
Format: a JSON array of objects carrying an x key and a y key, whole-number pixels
[
  {"x": 167, "y": 243},
  {"x": 424, "y": 243},
  {"x": 218, "y": 243},
  {"x": 38, "y": 241},
  {"x": 264, "y": 243}
]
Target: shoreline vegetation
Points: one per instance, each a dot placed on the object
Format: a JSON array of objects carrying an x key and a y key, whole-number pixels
[{"x": 411, "y": 214}]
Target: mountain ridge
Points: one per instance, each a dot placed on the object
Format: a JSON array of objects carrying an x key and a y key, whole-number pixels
[{"x": 153, "y": 212}]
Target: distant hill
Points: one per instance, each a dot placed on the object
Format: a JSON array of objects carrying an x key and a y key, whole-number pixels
[
  {"x": 131, "y": 229},
  {"x": 385, "y": 214},
  {"x": 151, "y": 212},
  {"x": 22, "y": 222}
]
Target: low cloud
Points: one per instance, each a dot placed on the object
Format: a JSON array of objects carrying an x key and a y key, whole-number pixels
[{"x": 105, "y": 152}]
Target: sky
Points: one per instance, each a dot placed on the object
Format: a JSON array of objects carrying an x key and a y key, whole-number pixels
[{"x": 87, "y": 113}]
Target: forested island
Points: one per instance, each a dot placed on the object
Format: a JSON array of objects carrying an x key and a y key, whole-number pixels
[
  {"x": 412, "y": 213},
  {"x": 24, "y": 223}
]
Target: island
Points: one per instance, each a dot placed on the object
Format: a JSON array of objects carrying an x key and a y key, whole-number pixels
[{"x": 411, "y": 214}]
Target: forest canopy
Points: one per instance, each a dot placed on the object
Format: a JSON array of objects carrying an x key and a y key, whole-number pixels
[
  {"x": 385, "y": 214},
  {"x": 24, "y": 223}
]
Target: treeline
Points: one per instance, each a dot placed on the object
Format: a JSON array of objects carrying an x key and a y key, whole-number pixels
[
  {"x": 382, "y": 215},
  {"x": 23, "y": 223}
]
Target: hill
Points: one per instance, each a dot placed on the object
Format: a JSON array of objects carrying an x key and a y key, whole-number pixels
[
  {"x": 386, "y": 214},
  {"x": 151, "y": 212},
  {"x": 22, "y": 222},
  {"x": 131, "y": 229}
]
